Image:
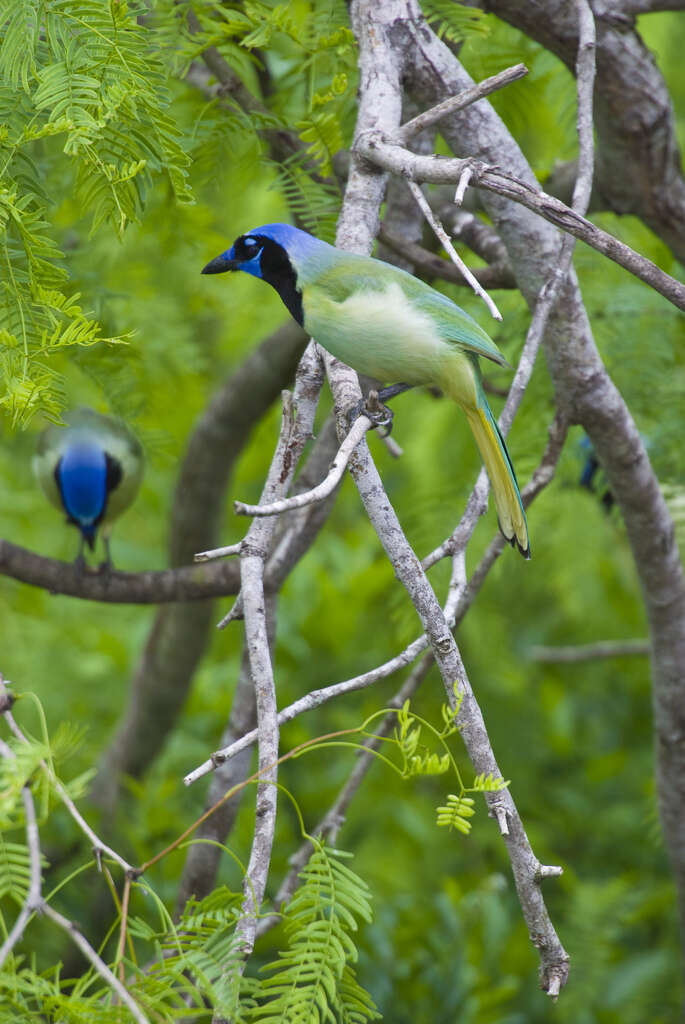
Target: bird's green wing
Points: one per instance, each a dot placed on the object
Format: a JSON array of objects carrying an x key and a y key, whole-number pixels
[
  {"x": 350, "y": 275},
  {"x": 454, "y": 324}
]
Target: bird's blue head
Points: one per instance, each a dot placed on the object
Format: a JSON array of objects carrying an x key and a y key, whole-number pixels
[
  {"x": 276, "y": 253},
  {"x": 82, "y": 479}
]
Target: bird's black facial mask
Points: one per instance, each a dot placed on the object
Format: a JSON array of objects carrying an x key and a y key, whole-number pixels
[
  {"x": 243, "y": 255},
  {"x": 264, "y": 258}
]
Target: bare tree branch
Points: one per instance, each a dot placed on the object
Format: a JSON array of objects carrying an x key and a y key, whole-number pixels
[
  {"x": 450, "y": 250},
  {"x": 296, "y": 429},
  {"x": 639, "y": 166},
  {"x": 462, "y": 100},
  {"x": 323, "y": 489},
  {"x": 444, "y": 170},
  {"x": 591, "y": 652}
]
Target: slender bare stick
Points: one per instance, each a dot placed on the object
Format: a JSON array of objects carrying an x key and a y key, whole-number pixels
[
  {"x": 100, "y": 966},
  {"x": 33, "y": 896},
  {"x": 591, "y": 652},
  {"x": 99, "y": 848},
  {"x": 314, "y": 699},
  {"x": 296, "y": 428},
  {"x": 449, "y": 248},
  {"x": 459, "y": 102},
  {"x": 322, "y": 490},
  {"x": 225, "y": 552}
]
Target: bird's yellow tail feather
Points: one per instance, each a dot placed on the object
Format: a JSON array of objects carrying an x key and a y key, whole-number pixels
[{"x": 512, "y": 518}]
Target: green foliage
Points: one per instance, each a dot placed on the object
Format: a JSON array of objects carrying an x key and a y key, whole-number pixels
[
  {"x": 200, "y": 958},
  {"x": 309, "y": 56},
  {"x": 455, "y": 22},
  {"x": 83, "y": 98},
  {"x": 15, "y": 870},
  {"x": 313, "y": 979}
]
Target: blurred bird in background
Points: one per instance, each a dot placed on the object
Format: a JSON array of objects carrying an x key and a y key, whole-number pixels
[{"x": 91, "y": 469}]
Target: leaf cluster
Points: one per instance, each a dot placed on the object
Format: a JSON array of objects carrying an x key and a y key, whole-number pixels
[{"x": 83, "y": 99}]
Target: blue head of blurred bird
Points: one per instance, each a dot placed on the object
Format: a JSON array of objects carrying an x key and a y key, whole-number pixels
[
  {"x": 386, "y": 324},
  {"x": 91, "y": 469}
]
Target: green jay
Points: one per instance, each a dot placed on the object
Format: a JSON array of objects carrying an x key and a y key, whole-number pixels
[
  {"x": 91, "y": 469},
  {"x": 386, "y": 324}
]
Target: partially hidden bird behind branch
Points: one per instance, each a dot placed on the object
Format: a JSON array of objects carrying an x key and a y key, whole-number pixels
[
  {"x": 386, "y": 324},
  {"x": 91, "y": 469}
]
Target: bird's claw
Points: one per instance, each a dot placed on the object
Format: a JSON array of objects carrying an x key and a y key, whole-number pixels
[{"x": 372, "y": 407}]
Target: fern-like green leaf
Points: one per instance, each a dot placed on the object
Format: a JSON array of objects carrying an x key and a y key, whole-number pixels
[
  {"x": 456, "y": 812},
  {"x": 80, "y": 79},
  {"x": 455, "y": 21},
  {"x": 313, "y": 979}
]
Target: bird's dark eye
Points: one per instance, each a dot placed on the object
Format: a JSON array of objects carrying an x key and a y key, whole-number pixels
[{"x": 249, "y": 246}]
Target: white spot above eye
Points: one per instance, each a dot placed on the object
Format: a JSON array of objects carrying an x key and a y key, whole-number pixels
[{"x": 250, "y": 241}]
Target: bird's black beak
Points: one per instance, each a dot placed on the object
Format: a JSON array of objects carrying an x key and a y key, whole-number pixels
[{"x": 220, "y": 265}]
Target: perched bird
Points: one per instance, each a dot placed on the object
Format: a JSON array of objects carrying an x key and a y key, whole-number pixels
[
  {"x": 91, "y": 469},
  {"x": 386, "y": 324}
]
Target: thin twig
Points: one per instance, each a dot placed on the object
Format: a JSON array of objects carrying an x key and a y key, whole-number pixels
[
  {"x": 99, "y": 848},
  {"x": 448, "y": 171},
  {"x": 449, "y": 248},
  {"x": 312, "y": 700},
  {"x": 591, "y": 652},
  {"x": 100, "y": 966},
  {"x": 459, "y": 102},
  {"x": 296, "y": 429},
  {"x": 225, "y": 552},
  {"x": 322, "y": 490}
]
